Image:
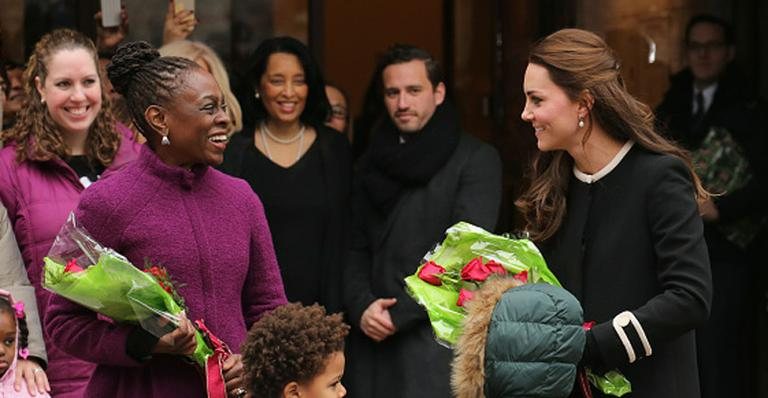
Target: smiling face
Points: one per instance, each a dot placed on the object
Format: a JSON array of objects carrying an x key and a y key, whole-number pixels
[
  {"x": 327, "y": 384},
  {"x": 71, "y": 90},
  {"x": 283, "y": 88},
  {"x": 8, "y": 342},
  {"x": 552, "y": 113},
  {"x": 409, "y": 96},
  {"x": 197, "y": 122}
]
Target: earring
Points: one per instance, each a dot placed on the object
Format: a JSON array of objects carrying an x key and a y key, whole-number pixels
[
  {"x": 42, "y": 100},
  {"x": 165, "y": 140},
  {"x": 581, "y": 122},
  {"x": 257, "y": 95}
]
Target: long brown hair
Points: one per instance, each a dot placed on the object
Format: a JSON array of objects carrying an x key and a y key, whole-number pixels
[
  {"x": 36, "y": 135},
  {"x": 578, "y": 60}
]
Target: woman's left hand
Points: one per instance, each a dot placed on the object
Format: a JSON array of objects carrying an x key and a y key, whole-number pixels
[
  {"x": 234, "y": 375},
  {"x": 34, "y": 375}
]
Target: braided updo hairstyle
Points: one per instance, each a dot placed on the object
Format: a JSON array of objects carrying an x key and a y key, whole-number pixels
[
  {"x": 21, "y": 323},
  {"x": 144, "y": 78}
]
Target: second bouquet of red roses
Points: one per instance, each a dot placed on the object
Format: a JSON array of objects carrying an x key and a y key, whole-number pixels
[{"x": 458, "y": 266}]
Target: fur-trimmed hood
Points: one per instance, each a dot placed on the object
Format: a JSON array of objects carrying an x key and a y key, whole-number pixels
[{"x": 512, "y": 326}]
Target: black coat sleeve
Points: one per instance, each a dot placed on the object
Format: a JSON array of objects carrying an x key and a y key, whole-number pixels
[{"x": 682, "y": 266}]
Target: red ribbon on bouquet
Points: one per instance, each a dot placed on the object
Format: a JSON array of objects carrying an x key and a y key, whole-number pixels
[{"x": 214, "y": 376}]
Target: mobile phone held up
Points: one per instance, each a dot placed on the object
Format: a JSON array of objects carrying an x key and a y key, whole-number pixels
[
  {"x": 182, "y": 5},
  {"x": 110, "y": 13}
]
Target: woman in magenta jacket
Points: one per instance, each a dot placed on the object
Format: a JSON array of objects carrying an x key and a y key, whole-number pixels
[
  {"x": 172, "y": 208},
  {"x": 65, "y": 139}
]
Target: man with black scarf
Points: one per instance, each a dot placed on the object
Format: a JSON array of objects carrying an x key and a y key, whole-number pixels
[
  {"x": 710, "y": 110},
  {"x": 420, "y": 175}
]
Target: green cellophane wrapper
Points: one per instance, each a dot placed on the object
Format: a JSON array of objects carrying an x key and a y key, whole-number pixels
[
  {"x": 116, "y": 289},
  {"x": 722, "y": 165},
  {"x": 462, "y": 243}
]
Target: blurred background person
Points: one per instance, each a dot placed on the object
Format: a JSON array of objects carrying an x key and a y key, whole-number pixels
[
  {"x": 299, "y": 167},
  {"x": 64, "y": 139},
  {"x": 15, "y": 96},
  {"x": 338, "y": 118},
  {"x": 714, "y": 112},
  {"x": 211, "y": 63}
]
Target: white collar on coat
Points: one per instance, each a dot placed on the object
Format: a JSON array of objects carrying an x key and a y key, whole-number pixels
[{"x": 590, "y": 178}]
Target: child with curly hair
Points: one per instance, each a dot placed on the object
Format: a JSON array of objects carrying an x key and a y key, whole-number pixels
[
  {"x": 13, "y": 345},
  {"x": 296, "y": 351}
]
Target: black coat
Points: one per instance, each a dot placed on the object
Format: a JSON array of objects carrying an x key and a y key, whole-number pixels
[
  {"x": 386, "y": 249},
  {"x": 633, "y": 240}
]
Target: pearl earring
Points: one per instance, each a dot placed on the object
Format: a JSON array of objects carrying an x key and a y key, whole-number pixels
[
  {"x": 257, "y": 95},
  {"x": 581, "y": 122},
  {"x": 165, "y": 140}
]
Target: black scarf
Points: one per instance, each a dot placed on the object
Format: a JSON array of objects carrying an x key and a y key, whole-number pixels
[{"x": 392, "y": 166}]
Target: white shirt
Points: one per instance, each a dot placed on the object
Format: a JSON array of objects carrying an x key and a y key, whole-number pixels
[
  {"x": 709, "y": 95},
  {"x": 590, "y": 178}
]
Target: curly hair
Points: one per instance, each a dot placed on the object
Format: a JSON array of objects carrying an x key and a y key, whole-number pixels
[
  {"x": 291, "y": 343},
  {"x": 21, "y": 323},
  {"x": 36, "y": 134}
]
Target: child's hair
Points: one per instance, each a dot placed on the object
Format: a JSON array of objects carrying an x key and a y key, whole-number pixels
[
  {"x": 291, "y": 343},
  {"x": 21, "y": 321}
]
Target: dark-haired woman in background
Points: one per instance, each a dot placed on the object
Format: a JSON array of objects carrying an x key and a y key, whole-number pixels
[
  {"x": 63, "y": 139},
  {"x": 299, "y": 167},
  {"x": 613, "y": 204},
  {"x": 171, "y": 208}
]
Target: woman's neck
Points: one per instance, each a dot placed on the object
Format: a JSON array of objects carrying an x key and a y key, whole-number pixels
[
  {"x": 285, "y": 130},
  {"x": 75, "y": 143},
  {"x": 593, "y": 155}
]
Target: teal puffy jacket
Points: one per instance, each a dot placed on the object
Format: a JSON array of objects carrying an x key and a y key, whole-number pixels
[{"x": 519, "y": 341}]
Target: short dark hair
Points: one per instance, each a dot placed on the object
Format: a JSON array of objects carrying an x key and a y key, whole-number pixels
[
  {"x": 710, "y": 19},
  {"x": 402, "y": 53},
  {"x": 291, "y": 343},
  {"x": 317, "y": 108}
]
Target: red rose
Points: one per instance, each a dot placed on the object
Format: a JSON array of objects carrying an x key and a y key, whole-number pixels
[
  {"x": 72, "y": 266},
  {"x": 522, "y": 277},
  {"x": 464, "y": 296},
  {"x": 429, "y": 273},
  {"x": 475, "y": 270},
  {"x": 496, "y": 268}
]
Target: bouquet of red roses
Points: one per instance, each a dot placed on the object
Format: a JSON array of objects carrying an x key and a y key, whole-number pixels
[
  {"x": 79, "y": 268},
  {"x": 467, "y": 257},
  {"x": 460, "y": 264}
]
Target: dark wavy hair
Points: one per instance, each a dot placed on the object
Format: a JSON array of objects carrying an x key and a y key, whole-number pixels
[
  {"x": 579, "y": 60},
  {"x": 291, "y": 343},
  {"x": 317, "y": 107},
  {"x": 36, "y": 135}
]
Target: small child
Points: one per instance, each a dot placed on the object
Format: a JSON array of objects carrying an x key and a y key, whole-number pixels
[
  {"x": 296, "y": 351},
  {"x": 13, "y": 344}
]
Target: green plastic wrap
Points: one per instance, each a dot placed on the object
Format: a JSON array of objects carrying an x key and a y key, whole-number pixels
[
  {"x": 464, "y": 242},
  {"x": 113, "y": 287}
]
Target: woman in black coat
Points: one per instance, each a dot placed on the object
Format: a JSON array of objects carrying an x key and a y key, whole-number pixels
[
  {"x": 300, "y": 169},
  {"x": 613, "y": 205}
]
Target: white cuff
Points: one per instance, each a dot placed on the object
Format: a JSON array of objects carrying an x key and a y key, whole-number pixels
[{"x": 623, "y": 320}]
